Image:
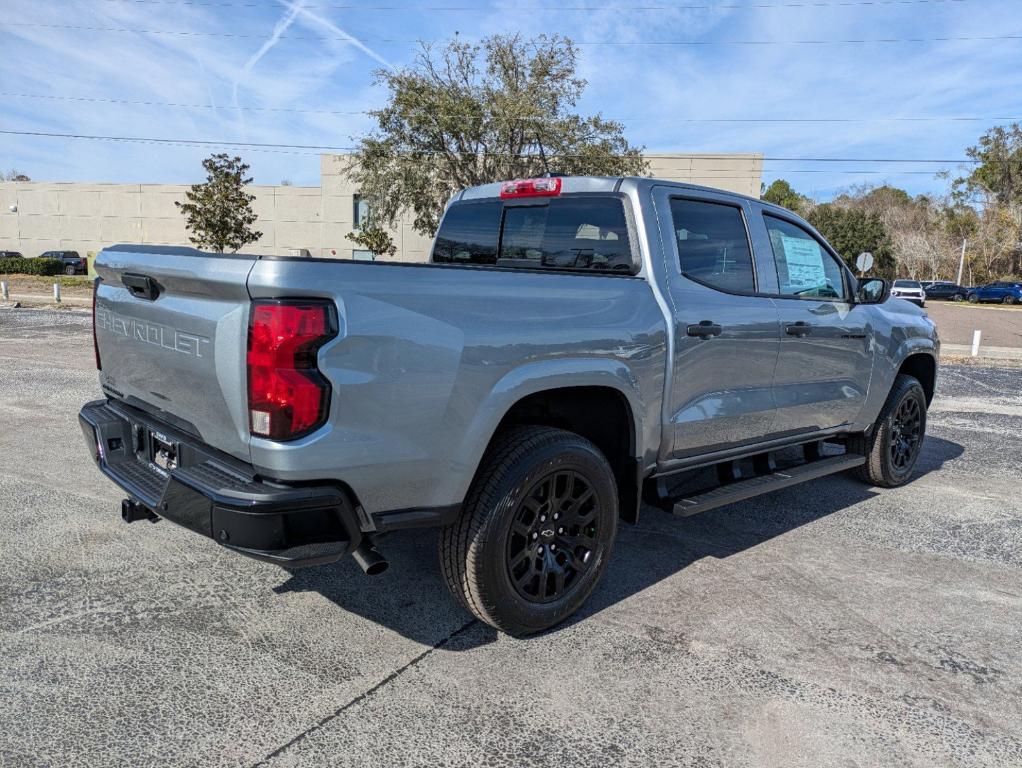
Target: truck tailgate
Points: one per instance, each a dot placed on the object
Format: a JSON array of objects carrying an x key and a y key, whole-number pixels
[{"x": 171, "y": 325}]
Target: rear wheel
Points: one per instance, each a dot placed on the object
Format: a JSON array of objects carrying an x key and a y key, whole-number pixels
[
  {"x": 536, "y": 530},
  {"x": 69, "y": 270},
  {"x": 893, "y": 446}
]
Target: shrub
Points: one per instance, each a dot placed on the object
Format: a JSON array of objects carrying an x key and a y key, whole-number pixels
[{"x": 31, "y": 266}]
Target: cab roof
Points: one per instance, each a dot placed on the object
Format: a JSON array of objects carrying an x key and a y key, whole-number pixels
[{"x": 570, "y": 184}]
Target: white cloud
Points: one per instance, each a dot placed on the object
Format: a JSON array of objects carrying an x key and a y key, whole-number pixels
[{"x": 326, "y": 66}]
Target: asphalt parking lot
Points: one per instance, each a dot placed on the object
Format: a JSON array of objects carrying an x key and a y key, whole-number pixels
[
  {"x": 825, "y": 625},
  {"x": 1000, "y": 325}
]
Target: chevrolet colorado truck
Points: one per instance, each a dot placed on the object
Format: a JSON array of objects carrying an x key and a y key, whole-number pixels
[{"x": 575, "y": 348}]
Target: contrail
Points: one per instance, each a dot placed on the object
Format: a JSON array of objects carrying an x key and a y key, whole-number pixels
[
  {"x": 279, "y": 29},
  {"x": 328, "y": 25},
  {"x": 209, "y": 87}
]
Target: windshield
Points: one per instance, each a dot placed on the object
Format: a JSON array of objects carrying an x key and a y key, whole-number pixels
[{"x": 906, "y": 283}]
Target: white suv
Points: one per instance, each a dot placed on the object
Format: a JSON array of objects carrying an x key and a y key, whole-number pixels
[{"x": 910, "y": 290}]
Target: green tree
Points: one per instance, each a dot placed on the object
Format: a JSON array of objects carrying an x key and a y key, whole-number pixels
[
  {"x": 781, "y": 193},
  {"x": 470, "y": 114},
  {"x": 998, "y": 168},
  {"x": 852, "y": 231},
  {"x": 995, "y": 183},
  {"x": 219, "y": 211}
]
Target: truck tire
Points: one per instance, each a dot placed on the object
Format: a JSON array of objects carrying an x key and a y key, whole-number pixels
[
  {"x": 894, "y": 444},
  {"x": 535, "y": 532}
]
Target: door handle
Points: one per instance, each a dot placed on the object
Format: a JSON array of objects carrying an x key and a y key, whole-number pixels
[
  {"x": 801, "y": 328},
  {"x": 704, "y": 329},
  {"x": 141, "y": 286}
]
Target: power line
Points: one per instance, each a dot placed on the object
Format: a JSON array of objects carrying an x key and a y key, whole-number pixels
[
  {"x": 155, "y": 140},
  {"x": 332, "y": 148},
  {"x": 701, "y": 174},
  {"x": 615, "y": 43},
  {"x": 146, "y": 103},
  {"x": 557, "y": 8}
]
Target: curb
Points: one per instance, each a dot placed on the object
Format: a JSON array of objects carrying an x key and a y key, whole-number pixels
[
  {"x": 985, "y": 353},
  {"x": 40, "y": 298}
]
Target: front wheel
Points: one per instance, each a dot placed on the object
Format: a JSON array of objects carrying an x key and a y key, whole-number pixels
[
  {"x": 958, "y": 297},
  {"x": 894, "y": 444},
  {"x": 973, "y": 298},
  {"x": 536, "y": 530},
  {"x": 1009, "y": 299}
]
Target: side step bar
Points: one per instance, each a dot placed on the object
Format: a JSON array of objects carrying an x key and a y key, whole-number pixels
[{"x": 755, "y": 486}]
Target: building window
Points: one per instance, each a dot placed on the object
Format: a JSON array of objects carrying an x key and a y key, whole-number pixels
[
  {"x": 360, "y": 211},
  {"x": 358, "y": 255}
]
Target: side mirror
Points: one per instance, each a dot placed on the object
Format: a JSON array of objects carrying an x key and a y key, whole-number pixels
[{"x": 873, "y": 290}]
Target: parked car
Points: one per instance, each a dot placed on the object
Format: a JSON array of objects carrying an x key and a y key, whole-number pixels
[
  {"x": 11, "y": 255},
  {"x": 575, "y": 346},
  {"x": 910, "y": 290},
  {"x": 73, "y": 263},
  {"x": 1003, "y": 291},
  {"x": 947, "y": 291}
]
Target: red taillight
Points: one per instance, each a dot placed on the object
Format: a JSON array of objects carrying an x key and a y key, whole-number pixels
[
  {"x": 95, "y": 341},
  {"x": 531, "y": 188},
  {"x": 287, "y": 395}
]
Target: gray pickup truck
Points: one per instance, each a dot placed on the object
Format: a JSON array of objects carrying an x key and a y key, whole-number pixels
[{"x": 576, "y": 347}]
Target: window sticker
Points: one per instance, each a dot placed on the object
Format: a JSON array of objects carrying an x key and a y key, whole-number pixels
[{"x": 804, "y": 260}]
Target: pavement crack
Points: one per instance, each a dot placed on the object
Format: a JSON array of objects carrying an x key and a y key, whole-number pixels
[{"x": 366, "y": 694}]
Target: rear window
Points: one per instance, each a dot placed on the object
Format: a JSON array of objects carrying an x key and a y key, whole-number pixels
[
  {"x": 574, "y": 234},
  {"x": 468, "y": 234}
]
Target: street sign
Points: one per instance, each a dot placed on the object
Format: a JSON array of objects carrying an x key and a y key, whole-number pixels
[{"x": 864, "y": 262}]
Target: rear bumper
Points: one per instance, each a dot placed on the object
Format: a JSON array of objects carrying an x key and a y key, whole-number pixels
[{"x": 217, "y": 496}]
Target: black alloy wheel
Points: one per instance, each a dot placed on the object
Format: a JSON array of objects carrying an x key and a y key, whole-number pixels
[
  {"x": 553, "y": 536},
  {"x": 906, "y": 431}
]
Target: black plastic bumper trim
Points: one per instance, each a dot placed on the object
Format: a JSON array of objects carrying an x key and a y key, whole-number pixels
[
  {"x": 425, "y": 517},
  {"x": 219, "y": 497}
]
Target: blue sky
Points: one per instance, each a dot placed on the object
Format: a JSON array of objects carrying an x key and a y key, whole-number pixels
[{"x": 300, "y": 73}]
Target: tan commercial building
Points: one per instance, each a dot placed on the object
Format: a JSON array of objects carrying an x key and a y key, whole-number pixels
[{"x": 78, "y": 216}]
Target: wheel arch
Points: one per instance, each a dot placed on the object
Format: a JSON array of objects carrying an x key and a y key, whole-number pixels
[
  {"x": 923, "y": 367},
  {"x": 600, "y": 403}
]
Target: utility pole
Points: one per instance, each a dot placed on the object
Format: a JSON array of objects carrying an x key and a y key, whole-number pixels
[{"x": 961, "y": 261}]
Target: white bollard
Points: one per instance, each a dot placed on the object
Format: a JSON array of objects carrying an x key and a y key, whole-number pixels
[
  {"x": 975, "y": 343},
  {"x": 5, "y": 291},
  {"x": 56, "y": 292}
]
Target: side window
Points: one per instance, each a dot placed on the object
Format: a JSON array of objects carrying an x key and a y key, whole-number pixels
[
  {"x": 468, "y": 234},
  {"x": 804, "y": 267},
  {"x": 713, "y": 245},
  {"x": 586, "y": 233},
  {"x": 359, "y": 211}
]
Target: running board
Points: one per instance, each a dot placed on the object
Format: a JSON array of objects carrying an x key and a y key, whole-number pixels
[{"x": 756, "y": 486}]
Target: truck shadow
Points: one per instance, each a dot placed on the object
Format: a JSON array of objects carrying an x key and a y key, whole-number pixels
[{"x": 412, "y": 599}]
